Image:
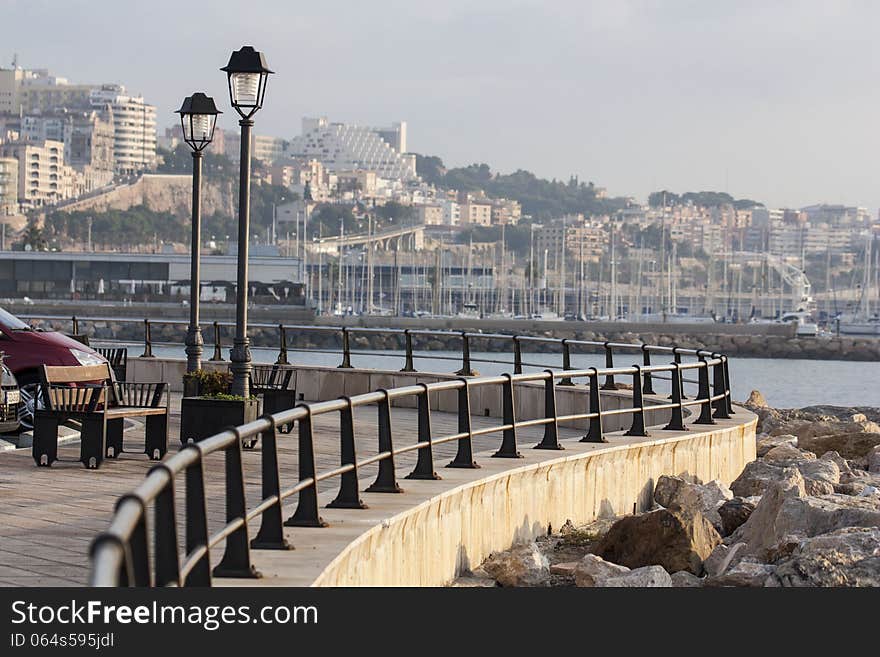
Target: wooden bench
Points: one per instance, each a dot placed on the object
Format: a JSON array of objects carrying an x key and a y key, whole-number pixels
[
  {"x": 118, "y": 359},
  {"x": 91, "y": 395},
  {"x": 277, "y": 385}
]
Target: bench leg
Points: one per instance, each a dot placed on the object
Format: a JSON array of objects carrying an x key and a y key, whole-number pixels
[
  {"x": 114, "y": 438},
  {"x": 44, "y": 448},
  {"x": 275, "y": 401},
  {"x": 156, "y": 442},
  {"x": 93, "y": 440}
]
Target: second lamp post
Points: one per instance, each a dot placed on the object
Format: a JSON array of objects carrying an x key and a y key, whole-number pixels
[
  {"x": 247, "y": 74},
  {"x": 198, "y": 117}
]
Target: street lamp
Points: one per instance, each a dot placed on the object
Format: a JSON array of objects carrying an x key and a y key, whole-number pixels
[
  {"x": 247, "y": 75},
  {"x": 198, "y": 117}
]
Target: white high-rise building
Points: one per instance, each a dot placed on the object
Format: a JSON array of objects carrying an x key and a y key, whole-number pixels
[
  {"x": 134, "y": 127},
  {"x": 344, "y": 147}
]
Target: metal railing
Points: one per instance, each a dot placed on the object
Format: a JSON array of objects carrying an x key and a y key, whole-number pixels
[
  {"x": 566, "y": 348},
  {"x": 122, "y": 554}
]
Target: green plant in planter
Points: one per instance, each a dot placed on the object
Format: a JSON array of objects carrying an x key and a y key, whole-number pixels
[{"x": 208, "y": 383}]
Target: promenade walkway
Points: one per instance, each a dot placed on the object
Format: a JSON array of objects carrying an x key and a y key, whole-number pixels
[{"x": 49, "y": 516}]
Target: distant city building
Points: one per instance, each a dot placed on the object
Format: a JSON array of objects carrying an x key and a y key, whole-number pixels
[
  {"x": 134, "y": 127},
  {"x": 344, "y": 147},
  {"x": 43, "y": 178},
  {"x": 8, "y": 185}
]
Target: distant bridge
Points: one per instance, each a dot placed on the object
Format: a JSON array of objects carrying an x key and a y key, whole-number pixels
[{"x": 413, "y": 237}]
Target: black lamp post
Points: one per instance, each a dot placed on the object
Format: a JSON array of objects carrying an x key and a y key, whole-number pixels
[
  {"x": 198, "y": 117},
  {"x": 247, "y": 75}
]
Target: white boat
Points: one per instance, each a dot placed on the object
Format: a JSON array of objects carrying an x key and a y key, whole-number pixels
[
  {"x": 852, "y": 326},
  {"x": 806, "y": 327}
]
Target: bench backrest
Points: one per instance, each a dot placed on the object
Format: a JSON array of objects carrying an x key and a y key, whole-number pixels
[
  {"x": 272, "y": 377},
  {"x": 67, "y": 387},
  {"x": 118, "y": 359}
]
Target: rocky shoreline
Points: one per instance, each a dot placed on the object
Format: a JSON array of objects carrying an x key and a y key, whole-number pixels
[
  {"x": 754, "y": 346},
  {"x": 806, "y": 512}
]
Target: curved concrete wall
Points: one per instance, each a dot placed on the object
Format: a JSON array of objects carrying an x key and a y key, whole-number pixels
[{"x": 435, "y": 541}]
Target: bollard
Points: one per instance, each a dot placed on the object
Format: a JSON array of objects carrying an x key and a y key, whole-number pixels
[{"x": 218, "y": 353}]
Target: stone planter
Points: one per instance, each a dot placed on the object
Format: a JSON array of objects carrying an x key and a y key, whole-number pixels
[{"x": 203, "y": 417}]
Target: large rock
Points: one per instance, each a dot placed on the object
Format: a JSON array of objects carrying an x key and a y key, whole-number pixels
[
  {"x": 672, "y": 538},
  {"x": 757, "y": 476},
  {"x": 765, "y": 443},
  {"x": 593, "y": 571},
  {"x": 645, "y": 577},
  {"x": 721, "y": 558},
  {"x": 758, "y": 532},
  {"x": 853, "y": 445},
  {"x": 735, "y": 512},
  {"x": 873, "y": 459},
  {"x": 683, "y": 579},
  {"x": 676, "y": 493},
  {"x": 844, "y": 557},
  {"x": 523, "y": 565},
  {"x": 810, "y": 516},
  {"x": 744, "y": 573}
]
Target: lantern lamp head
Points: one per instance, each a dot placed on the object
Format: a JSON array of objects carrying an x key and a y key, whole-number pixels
[
  {"x": 198, "y": 118},
  {"x": 247, "y": 74}
]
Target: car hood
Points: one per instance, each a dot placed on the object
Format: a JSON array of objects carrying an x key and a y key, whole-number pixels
[{"x": 48, "y": 338}]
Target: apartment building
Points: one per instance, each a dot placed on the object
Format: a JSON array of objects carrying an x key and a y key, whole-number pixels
[
  {"x": 476, "y": 212},
  {"x": 43, "y": 178},
  {"x": 134, "y": 127},
  {"x": 8, "y": 186},
  {"x": 579, "y": 236},
  {"x": 430, "y": 214},
  {"x": 506, "y": 212},
  {"x": 345, "y": 147}
]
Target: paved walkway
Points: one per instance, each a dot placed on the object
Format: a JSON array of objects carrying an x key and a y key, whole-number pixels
[{"x": 48, "y": 516}]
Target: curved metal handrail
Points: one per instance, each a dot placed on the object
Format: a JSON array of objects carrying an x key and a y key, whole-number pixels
[{"x": 121, "y": 554}]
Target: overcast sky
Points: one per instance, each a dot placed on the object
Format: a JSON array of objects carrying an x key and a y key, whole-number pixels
[{"x": 776, "y": 101}]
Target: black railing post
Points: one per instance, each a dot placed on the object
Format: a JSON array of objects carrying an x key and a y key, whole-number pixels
[
  {"x": 566, "y": 363},
  {"x": 517, "y": 355},
  {"x": 236, "y": 561},
  {"x": 348, "y": 497},
  {"x": 718, "y": 390},
  {"x": 346, "y": 351},
  {"x": 648, "y": 383},
  {"x": 609, "y": 363},
  {"x": 704, "y": 394},
  {"x": 550, "y": 439},
  {"x": 138, "y": 551},
  {"x": 425, "y": 465},
  {"x": 408, "y": 365},
  {"x": 464, "y": 458},
  {"x": 594, "y": 433},
  {"x": 148, "y": 341},
  {"x": 508, "y": 441},
  {"x": 271, "y": 534},
  {"x": 197, "y": 521},
  {"x": 74, "y": 325},
  {"x": 727, "y": 387},
  {"x": 218, "y": 347},
  {"x": 465, "y": 356},
  {"x": 282, "y": 346},
  {"x": 637, "y": 428},
  {"x": 676, "y": 357},
  {"x": 165, "y": 532},
  {"x": 386, "y": 480},
  {"x": 676, "y": 422},
  {"x": 306, "y": 514}
]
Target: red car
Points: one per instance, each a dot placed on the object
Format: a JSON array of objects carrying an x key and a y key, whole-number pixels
[{"x": 27, "y": 348}]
